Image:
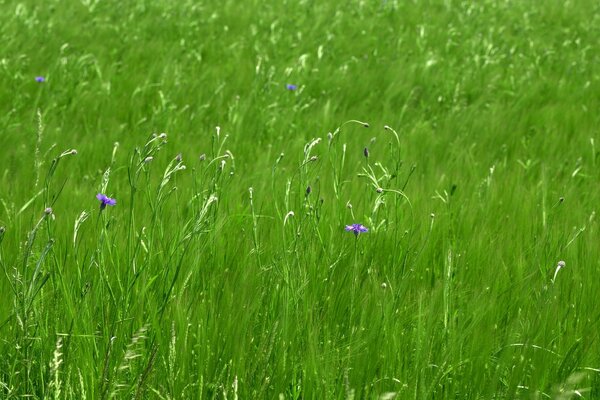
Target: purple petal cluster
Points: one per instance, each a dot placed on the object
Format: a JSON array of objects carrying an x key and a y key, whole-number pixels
[
  {"x": 290, "y": 86},
  {"x": 356, "y": 229},
  {"x": 105, "y": 201},
  {"x": 40, "y": 79}
]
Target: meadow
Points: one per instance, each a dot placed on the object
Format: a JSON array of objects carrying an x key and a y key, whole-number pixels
[{"x": 240, "y": 140}]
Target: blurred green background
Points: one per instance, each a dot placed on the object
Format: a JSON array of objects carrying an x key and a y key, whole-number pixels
[{"x": 194, "y": 286}]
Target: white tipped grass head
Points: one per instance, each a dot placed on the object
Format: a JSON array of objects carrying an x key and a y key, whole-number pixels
[
  {"x": 390, "y": 129},
  {"x": 287, "y": 216},
  {"x": 309, "y": 146},
  {"x": 351, "y": 121},
  {"x": 70, "y": 152},
  {"x": 560, "y": 265}
]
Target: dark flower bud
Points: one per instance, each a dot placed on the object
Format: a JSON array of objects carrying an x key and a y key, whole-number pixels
[
  {"x": 366, "y": 152},
  {"x": 308, "y": 190}
]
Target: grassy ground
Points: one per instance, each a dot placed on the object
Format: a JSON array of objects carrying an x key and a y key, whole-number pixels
[{"x": 217, "y": 275}]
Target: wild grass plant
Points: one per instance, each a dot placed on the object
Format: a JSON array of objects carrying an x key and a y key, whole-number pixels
[{"x": 299, "y": 200}]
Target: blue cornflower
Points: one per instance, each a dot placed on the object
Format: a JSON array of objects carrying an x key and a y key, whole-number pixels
[
  {"x": 290, "y": 86},
  {"x": 356, "y": 229},
  {"x": 40, "y": 79},
  {"x": 105, "y": 201}
]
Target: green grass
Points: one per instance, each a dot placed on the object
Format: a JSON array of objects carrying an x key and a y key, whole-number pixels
[{"x": 200, "y": 283}]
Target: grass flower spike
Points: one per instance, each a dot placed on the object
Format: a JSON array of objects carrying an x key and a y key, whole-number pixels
[{"x": 561, "y": 264}]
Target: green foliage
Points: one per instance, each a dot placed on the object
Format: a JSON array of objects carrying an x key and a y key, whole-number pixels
[{"x": 219, "y": 275}]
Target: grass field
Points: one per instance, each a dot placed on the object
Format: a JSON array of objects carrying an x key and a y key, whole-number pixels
[{"x": 239, "y": 140}]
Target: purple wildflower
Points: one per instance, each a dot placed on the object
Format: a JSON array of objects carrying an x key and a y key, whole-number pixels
[
  {"x": 40, "y": 79},
  {"x": 291, "y": 86},
  {"x": 105, "y": 201},
  {"x": 356, "y": 229}
]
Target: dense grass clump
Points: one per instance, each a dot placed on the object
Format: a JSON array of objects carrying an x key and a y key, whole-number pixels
[{"x": 234, "y": 145}]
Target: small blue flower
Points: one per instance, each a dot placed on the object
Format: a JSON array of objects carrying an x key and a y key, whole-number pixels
[
  {"x": 40, "y": 79},
  {"x": 105, "y": 201},
  {"x": 356, "y": 229},
  {"x": 290, "y": 86}
]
